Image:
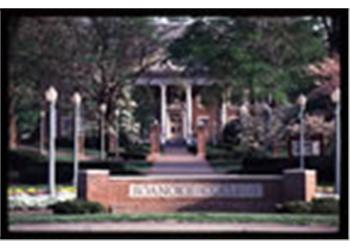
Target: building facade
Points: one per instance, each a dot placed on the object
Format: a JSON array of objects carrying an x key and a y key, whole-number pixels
[{"x": 180, "y": 104}]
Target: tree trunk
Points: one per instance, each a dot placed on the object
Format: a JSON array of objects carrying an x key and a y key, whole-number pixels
[{"x": 13, "y": 132}]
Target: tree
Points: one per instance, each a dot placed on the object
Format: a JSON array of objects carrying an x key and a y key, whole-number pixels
[
  {"x": 268, "y": 56},
  {"x": 98, "y": 56}
]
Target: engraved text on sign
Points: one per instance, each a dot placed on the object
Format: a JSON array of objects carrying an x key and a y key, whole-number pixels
[{"x": 229, "y": 190}]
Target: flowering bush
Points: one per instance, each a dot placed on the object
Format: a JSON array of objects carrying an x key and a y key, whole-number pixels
[
  {"x": 315, "y": 124},
  {"x": 35, "y": 198}
]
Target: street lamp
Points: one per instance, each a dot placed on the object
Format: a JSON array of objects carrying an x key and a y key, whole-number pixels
[
  {"x": 335, "y": 96},
  {"x": 77, "y": 101},
  {"x": 103, "y": 109},
  {"x": 302, "y": 104},
  {"x": 42, "y": 132},
  {"x": 117, "y": 113},
  {"x": 51, "y": 96}
]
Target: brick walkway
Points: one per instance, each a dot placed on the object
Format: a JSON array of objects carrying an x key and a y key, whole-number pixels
[{"x": 177, "y": 160}]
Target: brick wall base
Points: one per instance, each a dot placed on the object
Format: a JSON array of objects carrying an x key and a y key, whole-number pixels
[{"x": 248, "y": 193}]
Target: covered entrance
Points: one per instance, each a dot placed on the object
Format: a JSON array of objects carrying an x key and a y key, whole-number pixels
[{"x": 176, "y": 115}]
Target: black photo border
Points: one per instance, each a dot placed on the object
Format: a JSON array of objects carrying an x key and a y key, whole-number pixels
[{"x": 342, "y": 13}]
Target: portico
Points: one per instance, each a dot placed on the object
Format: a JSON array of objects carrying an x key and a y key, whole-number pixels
[
  {"x": 183, "y": 126},
  {"x": 180, "y": 107}
]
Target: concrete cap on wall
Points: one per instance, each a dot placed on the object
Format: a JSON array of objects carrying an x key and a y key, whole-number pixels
[
  {"x": 299, "y": 170},
  {"x": 95, "y": 171}
]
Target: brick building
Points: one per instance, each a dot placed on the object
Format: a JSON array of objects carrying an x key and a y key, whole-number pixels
[{"x": 181, "y": 108}]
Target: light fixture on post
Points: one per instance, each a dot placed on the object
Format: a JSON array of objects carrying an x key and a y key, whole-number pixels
[
  {"x": 103, "y": 109},
  {"x": 302, "y": 100},
  {"x": 335, "y": 96},
  {"x": 77, "y": 101},
  {"x": 51, "y": 96}
]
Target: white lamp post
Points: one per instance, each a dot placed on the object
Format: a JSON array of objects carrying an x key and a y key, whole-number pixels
[
  {"x": 117, "y": 113},
  {"x": 42, "y": 132},
  {"x": 103, "y": 109},
  {"x": 51, "y": 96},
  {"x": 77, "y": 101},
  {"x": 335, "y": 96},
  {"x": 302, "y": 103}
]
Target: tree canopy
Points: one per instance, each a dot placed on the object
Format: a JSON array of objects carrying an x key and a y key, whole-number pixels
[
  {"x": 267, "y": 56},
  {"x": 96, "y": 56}
]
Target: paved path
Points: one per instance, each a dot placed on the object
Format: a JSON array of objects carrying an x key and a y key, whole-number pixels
[
  {"x": 177, "y": 160},
  {"x": 169, "y": 227}
]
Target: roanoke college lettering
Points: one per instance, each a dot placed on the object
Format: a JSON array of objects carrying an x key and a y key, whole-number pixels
[{"x": 239, "y": 190}]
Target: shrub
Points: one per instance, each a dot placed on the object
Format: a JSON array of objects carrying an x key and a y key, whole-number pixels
[
  {"x": 269, "y": 165},
  {"x": 317, "y": 206},
  {"x": 325, "y": 206},
  {"x": 77, "y": 207},
  {"x": 26, "y": 167},
  {"x": 301, "y": 207},
  {"x": 192, "y": 148}
]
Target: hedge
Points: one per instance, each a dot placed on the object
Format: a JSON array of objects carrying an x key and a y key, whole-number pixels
[
  {"x": 324, "y": 166},
  {"x": 77, "y": 207},
  {"x": 30, "y": 168},
  {"x": 316, "y": 206}
]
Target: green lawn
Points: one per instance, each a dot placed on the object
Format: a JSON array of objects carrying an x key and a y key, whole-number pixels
[
  {"x": 225, "y": 165},
  {"x": 292, "y": 219}
]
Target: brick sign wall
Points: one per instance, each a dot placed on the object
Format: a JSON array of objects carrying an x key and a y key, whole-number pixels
[{"x": 195, "y": 193}]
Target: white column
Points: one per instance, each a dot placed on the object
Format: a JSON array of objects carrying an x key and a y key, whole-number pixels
[
  {"x": 184, "y": 124},
  {"x": 189, "y": 110},
  {"x": 163, "y": 113},
  {"x": 223, "y": 112}
]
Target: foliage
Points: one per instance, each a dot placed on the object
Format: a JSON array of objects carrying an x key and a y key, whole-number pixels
[
  {"x": 77, "y": 207},
  {"x": 288, "y": 219},
  {"x": 266, "y": 55},
  {"x": 317, "y": 206},
  {"x": 324, "y": 166},
  {"x": 32, "y": 168},
  {"x": 297, "y": 207},
  {"x": 315, "y": 125},
  {"x": 325, "y": 206},
  {"x": 136, "y": 152},
  {"x": 259, "y": 130},
  {"x": 146, "y": 109},
  {"x": 97, "y": 56},
  {"x": 36, "y": 198}
]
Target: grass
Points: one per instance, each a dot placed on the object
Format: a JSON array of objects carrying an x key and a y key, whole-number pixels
[
  {"x": 291, "y": 219},
  {"x": 225, "y": 165},
  {"x": 137, "y": 165}
]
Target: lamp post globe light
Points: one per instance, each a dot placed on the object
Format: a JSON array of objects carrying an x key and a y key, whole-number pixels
[
  {"x": 103, "y": 109},
  {"x": 51, "y": 96},
  {"x": 302, "y": 100},
  {"x": 77, "y": 101},
  {"x": 335, "y": 97}
]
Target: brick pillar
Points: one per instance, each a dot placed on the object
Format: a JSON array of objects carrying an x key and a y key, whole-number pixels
[
  {"x": 299, "y": 184},
  {"x": 154, "y": 141},
  {"x": 201, "y": 141},
  {"x": 93, "y": 186}
]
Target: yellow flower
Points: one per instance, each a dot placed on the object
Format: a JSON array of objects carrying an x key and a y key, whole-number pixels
[{"x": 32, "y": 190}]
